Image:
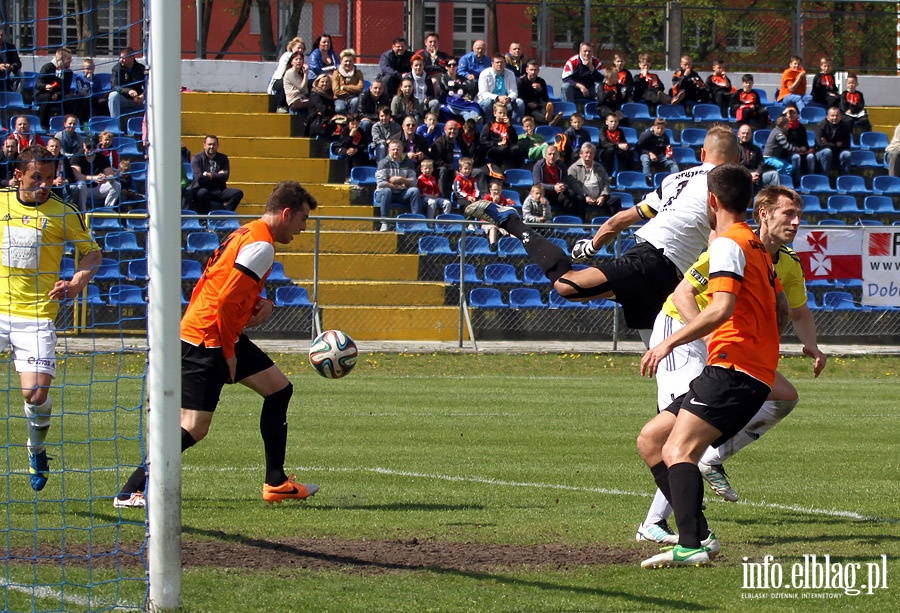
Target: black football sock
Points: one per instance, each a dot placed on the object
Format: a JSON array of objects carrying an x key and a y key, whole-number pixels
[
  {"x": 273, "y": 427},
  {"x": 137, "y": 482},
  {"x": 553, "y": 261},
  {"x": 661, "y": 476},
  {"x": 687, "y": 499}
]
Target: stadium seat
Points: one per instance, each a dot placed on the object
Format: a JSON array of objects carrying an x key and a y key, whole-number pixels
[
  {"x": 576, "y": 232},
  {"x": 137, "y": 224},
  {"x": 191, "y": 270},
  {"x": 811, "y": 302},
  {"x": 363, "y": 175},
  {"x": 868, "y": 222},
  {"x": 812, "y": 204},
  {"x": 121, "y": 241},
  {"x": 276, "y": 273},
  {"x": 763, "y": 97},
  {"x": 533, "y": 275},
  {"x": 291, "y": 296},
  {"x": 412, "y": 223},
  {"x": 202, "y": 242},
  {"x": 861, "y": 158},
  {"x": 785, "y": 180},
  {"x": 852, "y": 184},
  {"x": 67, "y": 268},
  {"x": 886, "y": 186},
  {"x": 626, "y": 199},
  {"x": 99, "y": 123},
  {"x": 816, "y": 184},
  {"x": 879, "y": 205},
  {"x": 91, "y": 296},
  {"x": 12, "y": 100},
  {"x": 501, "y": 274},
  {"x": 33, "y": 120},
  {"x": 636, "y": 110},
  {"x": 126, "y": 295},
  {"x": 590, "y": 112},
  {"x": 58, "y": 124},
  {"x": 760, "y": 137},
  {"x": 873, "y": 141},
  {"x": 105, "y": 224},
  {"x": 685, "y": 157},
  {"x": 486, "y": 298},
  {"x": 476, "y": 245},
  {"x": 138, "y": 271},
  {"x": 598, "y": 221},
  {"x": 775, "y": 110},
  {"x": 109, "y": 271},
  {"x": 518, "y": 178},
  {"x": 659, "y": 177},
  {"x": 842, "y": 205},
  {"x": 510, "y": 246},
  {"x": 512, "y": 195},
  {"x": 631, "y": 180},
  {"x": 671, "y": 112},
  {"x": 602, "y": 303},
  {"x": 631, "y": 135},
  {"x": 549, "y": 133},
  {"x": 470, "y": 275},
  {"x": 135, "y": 127},
  {"x": 558, "y": 302},
  {"x": 832, "y": 222},
  {"x": 693, "y": 137},
  {"x": 812, "y": 114},
  {"x": 190, "y": 221},
  {"x": 671, "y": 136},
  {"x": 839, "y": 301},
  {"x": 594, "y": 132},
  {"x": 707, "y": 112},
  {"x": 525, "y": 298},
  {"x": 566, "y": 108},
  {"x": 223, "y": 221},
  {"x": 435, "y": 245},
  {"x": 450, "y": 228}
]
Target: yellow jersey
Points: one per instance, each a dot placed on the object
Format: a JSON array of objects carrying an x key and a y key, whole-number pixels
[{"x": 31, "y": 249}]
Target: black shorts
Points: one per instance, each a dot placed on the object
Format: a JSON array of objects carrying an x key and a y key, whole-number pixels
[
  {"x": 641, "y": 279},
  {"x": 723, "y": 397},
  {"x": 204, "y": 371}
]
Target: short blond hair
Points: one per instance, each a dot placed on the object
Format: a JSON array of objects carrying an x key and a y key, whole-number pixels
[{"x": 348, "y": 52}]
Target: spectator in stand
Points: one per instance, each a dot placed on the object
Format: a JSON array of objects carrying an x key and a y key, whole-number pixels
[
  {"x": 423, "y": 86},
  {"x": 129, "y": 78},
  {"x": 347, "y": 84},
  {"x": 499, "y": 137},
  {"x": 295, "y": 81},
  {"x": 465, "y": 187},
  {"x": 90, "y": 100},
  {"x": 321, "y": 111},
  {"x": 793, "y": 85},
  {"x": 323, "y": 59},
  {"x": 130, "y": 198},
  {"x": 536, "y": 208},
  {"x": 24, "y": 134},
  {"x": 780, "y": 153},
  {"x": 581, "y": 75},
  {"x": 891, "y": 152},
  {"x": 52, "y": 91},
  {"x": 10, "y": 64},
  {"x": 430, "y": 189},
  {"x": 746, "y": 106},
  {"x": 393, "y": 64},
  {"x": 471, "y": 66},
  {"x": 441, "y": 153},
  {"x": 369, "y": 102},
  {"x": 648, "y": 87},
  {"x": 751, "y": 157},
  {"x": 8, "y": 156},
  {"x": 609, "y": 97},
  {"x": 105, "y": 146},
  {"x": 276, "y": 83},
  {"x": 429, "y": 128},
  {"x": 833, "y": 138},
  {"x": 211, "y": 171},
  {"x": 94, "y": 170},
  {"x": 614, "y": 146},
  {"x": 405, "y": 102},
  {"x": 798, "y": 138},
  {"x": 655, "y": 150},
  {"x": 573, "y": 138},
  {"x": 65, "y": 185},
  {"x": 687, "y": 84},
  {"x": 824, "y": 86},
  {"x": 450, "y": 82},
  {"x": 853, "y": 105},
  {"x": 719, "y": 86},
  {"x": 498, "y": 84},
  {"x": 69, "y": 138},
  {"x": 469, "y": 142},
  {"x": 434, "y": 59},
  {"x": 384, "y": 132},
  {"x": 414, "y": 145},
  {"x": 515, "y": 59},
  {"x": 395, "y": 183},
  {"x": 624, "y": 78},
  {"x": 353, "y": 146},
  {"x": 591, "y": 183},
  {"x": 552, "y": 174},
  {"x": 534, "y": 95}
]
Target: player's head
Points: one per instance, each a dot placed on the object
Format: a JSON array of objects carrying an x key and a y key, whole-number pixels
[
  {"x": 777, "y": 210},
  {"x": 34, "y": 171},
  {"x": 287, "y": 210},
  {"x": 719, "y": 146},
  {"x": 732, "y": 187}
]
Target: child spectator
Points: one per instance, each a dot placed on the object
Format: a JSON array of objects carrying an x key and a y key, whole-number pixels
[
  {"x": 498, "y": 140},
  {"x": 129, "y": 198},
  {"x": 470, "y": 142},
  {"x": 353, "y": 146},
  {"x": 648, "y": 88},
  {"x": 431, "y": 190},
  {"x": 824, "y": 87},
  {"x": 609, "y": 98},
  {"x": 793, "y": 84},
  {"x": 688, "y": 85},
  {"x": 746, "y": 105},
  {"x": 536, "y": 208},
  {"x": 853, "y": 105},
  {"x": 624, "y": 80},
  {"x": 656, "y": 150},
  {"x": 574, "y": 137},
  {"x": 531, "y": 145},
  {"x": 105, "y": 146},
  {"x": 613, "y": 146},
  {"x": 383, "y": 132},
  {"x": 465, "y": 189},
  {"x": 429, "y": 129},
  {"x": 719, "y": 86}
]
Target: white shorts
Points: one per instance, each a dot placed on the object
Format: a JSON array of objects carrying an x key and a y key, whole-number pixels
[
  {"x": 33, "y": 342},
  {"x": 679, "y": 368}
]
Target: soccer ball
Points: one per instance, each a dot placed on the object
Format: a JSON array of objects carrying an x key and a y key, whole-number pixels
[{"x": 333, "y": 354}]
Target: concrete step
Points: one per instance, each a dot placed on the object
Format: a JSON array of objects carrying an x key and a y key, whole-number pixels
[
  {"x": 364, "y": 323},
  {"x": 279, "y": 169},
  {"x": 362, "y": 244},
  {"x": 254, "y": 146},
  {"x": 223, "y": 102},
  {"x": 352, "y": 267},
  {"x": 379, "y": 293},
  {"x": 234, "y": 124},
  {"x": 257, "y": 192}
]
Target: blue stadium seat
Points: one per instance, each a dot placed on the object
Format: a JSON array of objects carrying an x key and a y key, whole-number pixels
[
  {"x": 512, "y": 195},
  {"x": 292, "y": 296},
  {"x": 518, "y": 178},
  {"x": 578, "y": 232},
  {"x": 99, "y": 123},
  {"x": 558, "y": 302},
  {"x": 631, "y": 180},
  {"x": 886, "y": 186},
  {"x": 839, "y": 301},
  {"x": 510, "y": 246},
  {"x": 435, "y": 245},
  {"x": 659, "y": 177},
  {"x": 868, "y": 222},
  {"x": 566, "y": 108},
  {"x": 879, "y": 205},
  {"x": 636, "y": 110},
  {"x": 842, "y": 205},
  {"x": 191, "y": 270},
  {"x": 763, "y": 97},
  {"x": 812, "y": 204},
  {"x": 138, "y": 271},
  {"x": 775, "y": 110},
  {"x": 760, "y": 137},
  {"x": 811, "y": 302},
  {"x": 526, "y": 298},
  {"x": 590, "y": 112},
  {"x": 671, "y": 136},
  {"x": 477, "y": 245},
  {"x": 785, "y": 180},
  {"x": 693, "y": 137},
  {"x": 126, "y": 295},
  {"x": 602, "y": 303},
  {"x": 533, "y": 275},
  {"x": 501, "y": 274},
  {"x": 470, "y": 275},
  {"x": 105, "y": 224},
  {"x": 631, "y": 135},
  {"x": 852, "y": 184},
  {"x": 685, "y": 157},
  {"x": 873, "y": 141},
  {"x": 816, "y": 184},
  {"x": 450, "y": 228},
  {"x": 276, "y": 273},
  {"x": 812, "y": 114},
  {"x": 190, "y": 221},
  {"x": 598, "y": 221},
  {"x": 91, "y": 296},
  {"x": 363, "y": 175},
  {"x": 12, "y": 100},
  {"x": 672, "y": 112},
  {"x": 202, "y": 242},
  {"x": 67, "y": 268},
  {"x": 832, "y": 222},
  {"x": 707, "y": 112},
  {"x": 109, "y": 271},
  {"x": 548, "y": 132},
  {"x": 486, "y": 298},
  {"x": 33, "y": 120},
  {"x": 626, "y": 199},
  {"x": 862, "y": 158},
  {"x": 137, "y": 224},
  {"x": 121, "y": 241},
  {"x": 412, "y": 223},
  {"x": 135, "y": 127},
  {"x": 594, "y": 132},
  {"x": 223, "y": 221}
]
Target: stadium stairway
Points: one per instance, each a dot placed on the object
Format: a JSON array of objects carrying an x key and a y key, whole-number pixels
[{"x": 367, "y": 286}]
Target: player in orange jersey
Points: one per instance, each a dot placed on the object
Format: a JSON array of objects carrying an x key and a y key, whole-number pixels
[{"x": 215, "y": 350}]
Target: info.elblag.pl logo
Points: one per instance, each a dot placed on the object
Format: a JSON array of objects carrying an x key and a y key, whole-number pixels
[{"x": 827, "y": 578}]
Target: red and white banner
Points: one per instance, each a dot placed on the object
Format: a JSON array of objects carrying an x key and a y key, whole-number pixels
[
  {"x": 831, "y": 253},
  {"x": 881, "y": 267}
]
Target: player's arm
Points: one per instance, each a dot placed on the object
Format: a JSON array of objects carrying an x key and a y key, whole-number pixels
[
  {"x": 782, "y": 309},
  {"x": 685, "y": 300},
  {"x": 805, "y": 329},
  {"x": 261, "y": 312},
  {"x": 588, "y": 247},
  {"x": 87, "y": 268}
]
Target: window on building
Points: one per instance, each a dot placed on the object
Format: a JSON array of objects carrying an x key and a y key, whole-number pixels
[
  {"x": 743, "y": 37},
  {"x": 469, "y": 25},
  {"x": 331, "y": 19},
  {"x": 113, "y": 21},
  {"x": 431, "y": 17}
]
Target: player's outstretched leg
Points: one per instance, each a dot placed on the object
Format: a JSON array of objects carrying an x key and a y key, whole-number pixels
[
  {"x": 38, "y": 416},
  {"x": 715, "y": 475},
  {"x": 655, "y": 528},
  {"x": 273, "y": 427}
]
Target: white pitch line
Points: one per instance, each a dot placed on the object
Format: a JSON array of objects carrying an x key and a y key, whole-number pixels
[
  {"x": 42, "y": 591},
  {"x": 553, "y": 486}
]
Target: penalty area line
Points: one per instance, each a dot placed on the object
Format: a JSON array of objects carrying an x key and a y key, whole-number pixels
[{"x": 47, "y": 592}]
